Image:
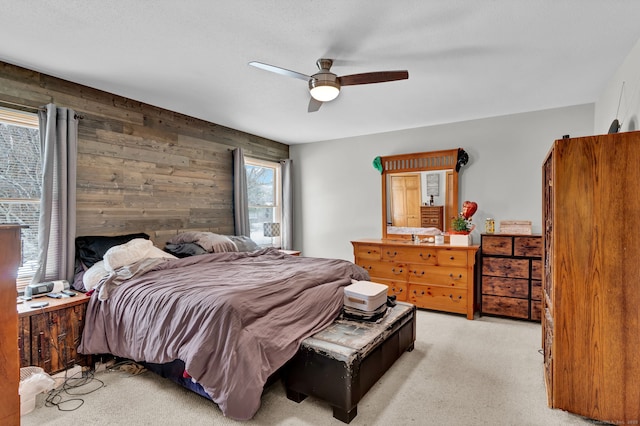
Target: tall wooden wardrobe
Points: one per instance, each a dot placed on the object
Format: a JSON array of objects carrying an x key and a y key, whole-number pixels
[
  {"x": 10, "y": 254},
  {"x": 591, "y": 279}
]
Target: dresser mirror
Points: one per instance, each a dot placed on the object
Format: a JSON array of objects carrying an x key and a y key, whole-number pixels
[{"x": 420, "y": 192}]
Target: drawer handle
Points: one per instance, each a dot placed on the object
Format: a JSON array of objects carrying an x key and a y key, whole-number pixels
[
  {"x": 396, "y": 290},
  {"x": 428, "y": 255},
  {"x": 368, "y": 251},
  {"x": 454, "y": 278},
  {"x": 418, "y": 274},
  {"x": 394, "y": 271},
  {"x": 395, "y": 253},
  {"x": 416, "y": 292},
  {"x": 451, "y": 257},
  {"x": 454, "y": 300}
]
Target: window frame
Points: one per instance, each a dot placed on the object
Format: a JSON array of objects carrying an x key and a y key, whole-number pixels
[
  {"x": 19, "y": 118},
  {"x": 277, "y": 207}
]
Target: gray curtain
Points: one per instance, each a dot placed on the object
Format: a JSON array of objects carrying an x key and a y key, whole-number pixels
[
  {"x": 287, "y": 205},
  {"x": 57, "y": 223},
  {"x": 240, "y": 196}
]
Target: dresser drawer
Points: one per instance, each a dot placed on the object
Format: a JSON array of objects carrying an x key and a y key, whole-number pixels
[
  {"x": 438, "y": 298},
  {"x": 500, "y": 286},
  {"x": 365, "y": 251},
  {"x": 495, "y": 244},
  {"x": 505, "y": 267},
  {"x": 509, "y": 306},
  {"x": 536, "y": 269},
  {"x": 422, "y": 254},
  {"x": 439, "y": 275},
  {"x": 385, "y": 270},
  {"x": 396, "y": 288},
  {"x": 452, "y": 258},
  {"x": 536, "y": 290},
  {"x": 527, "y": 246}
]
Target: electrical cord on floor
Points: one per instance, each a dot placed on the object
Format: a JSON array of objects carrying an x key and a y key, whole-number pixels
[{"x": 74, "y": 385}]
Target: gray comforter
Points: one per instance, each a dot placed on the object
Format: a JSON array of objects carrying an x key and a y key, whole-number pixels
[{"x": 233, "y": 318}]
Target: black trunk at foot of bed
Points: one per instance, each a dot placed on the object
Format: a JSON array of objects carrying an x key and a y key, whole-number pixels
[{"x": 342, "y": 362}]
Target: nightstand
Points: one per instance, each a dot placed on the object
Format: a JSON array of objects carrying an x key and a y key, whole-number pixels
[
  {"x": 291, "y": 252},
  {"x": 49, "y": 337}
]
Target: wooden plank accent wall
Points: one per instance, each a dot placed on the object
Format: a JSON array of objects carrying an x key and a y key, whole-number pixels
[{"x": 142, "y": 168}]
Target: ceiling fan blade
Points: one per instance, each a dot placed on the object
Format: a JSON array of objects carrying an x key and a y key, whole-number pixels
[
  {"x": 373, "y": 77},
  {"x": 314, "y": 105},
  {"x": 279, "y": 70}
]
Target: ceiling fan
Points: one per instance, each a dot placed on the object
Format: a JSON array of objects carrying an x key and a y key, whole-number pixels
[{"x": 324, "y": 86}]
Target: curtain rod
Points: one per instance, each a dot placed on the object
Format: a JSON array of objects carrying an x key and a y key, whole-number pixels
[
  {"x": 21, "y": 105},
  {"x": 76, "y": 115}
]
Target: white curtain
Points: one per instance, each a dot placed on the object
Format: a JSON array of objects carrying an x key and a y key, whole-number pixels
[
  {"x": 57, "y": 223},
  {"x": 240, "y": 196},
  {"x": 287, "y": 205}
]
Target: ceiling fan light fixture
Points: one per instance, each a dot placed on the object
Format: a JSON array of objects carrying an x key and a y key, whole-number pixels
[
  {"x": 324, "y": 87},
  {"x": 325, "y": 93}
]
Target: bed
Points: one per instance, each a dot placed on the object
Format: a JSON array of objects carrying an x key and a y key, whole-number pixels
[{"x": 224, "y": 321}]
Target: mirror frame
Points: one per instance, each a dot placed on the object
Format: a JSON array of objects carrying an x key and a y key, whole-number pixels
[{"x": 419, "y": 162}]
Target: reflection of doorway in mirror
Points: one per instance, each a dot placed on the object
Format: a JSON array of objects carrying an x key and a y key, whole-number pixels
[
  {"x": 405, "y": 200},
  {"x": 433, "y": 187}
]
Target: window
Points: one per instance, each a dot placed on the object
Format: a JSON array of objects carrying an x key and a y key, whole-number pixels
[
  {"x": 265, "y": 201},
  {"x": 20, "y": 183}
]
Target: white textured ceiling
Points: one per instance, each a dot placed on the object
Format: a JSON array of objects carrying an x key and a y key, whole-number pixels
[{"x": 466, "y": 59}]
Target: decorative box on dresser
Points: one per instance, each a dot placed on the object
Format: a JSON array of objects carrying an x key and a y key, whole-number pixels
[
  {"x": 431, "y": 217},
  {"x": 429, "y": 276},
  {"x": 511, "y": 275},
  {"x": 591, "y": 277},
  {"x": 10, "y": 258},
  {"x": 49, "y": 337}
]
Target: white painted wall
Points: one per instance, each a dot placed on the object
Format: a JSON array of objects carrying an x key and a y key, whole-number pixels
[
  {"x": 338, "y": 192},
  {"x": 606, "y": 109}
]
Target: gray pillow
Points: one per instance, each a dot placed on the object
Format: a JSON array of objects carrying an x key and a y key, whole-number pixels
[{"x": 244, "y": 243}]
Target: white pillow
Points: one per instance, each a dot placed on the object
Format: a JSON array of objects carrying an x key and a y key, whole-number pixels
[
  {"x": 132, "y": 252},
  {"x": 127, "y": 253},
  {"x": 93, "y": 275}
]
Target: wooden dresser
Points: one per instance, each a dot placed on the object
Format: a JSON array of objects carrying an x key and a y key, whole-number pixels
[
  {"x": 10, "y": 258},
  {"x": 429, "y": 276},
  {"x": 591, "y": 277},
  {"x": 432, "y": 217},
  {"x": 511, "y": 275}
]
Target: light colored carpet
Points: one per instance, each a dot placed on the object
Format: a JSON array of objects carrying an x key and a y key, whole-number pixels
[{"x": 482, "y": 372}]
